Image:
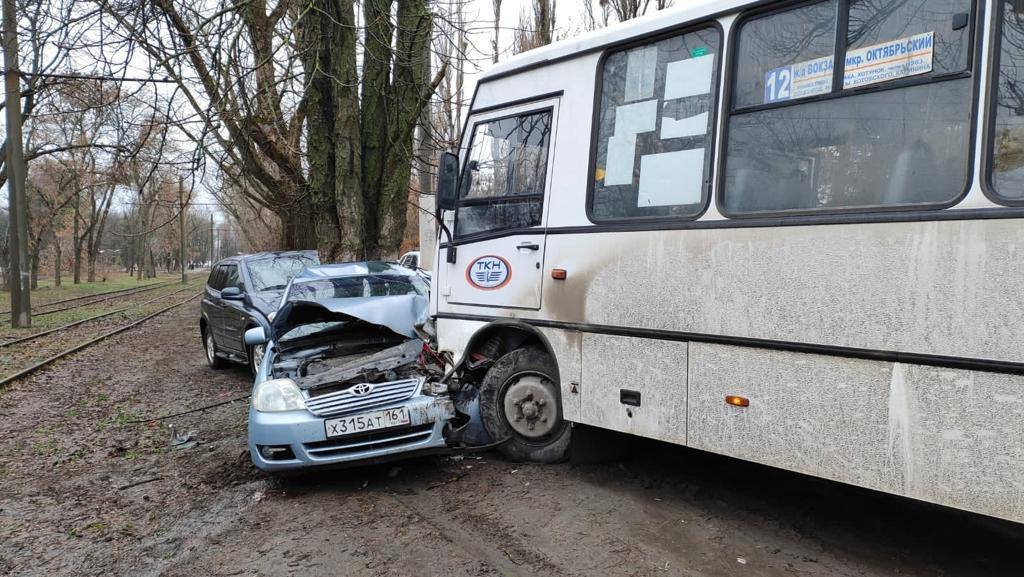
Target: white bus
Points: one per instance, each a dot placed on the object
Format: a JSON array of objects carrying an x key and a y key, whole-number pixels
[{"x": 787, "y": 232}]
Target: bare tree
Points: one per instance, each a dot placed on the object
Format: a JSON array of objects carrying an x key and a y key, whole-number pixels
[
  {"x": 629, "y": 9},
  {"x": 537, "y": 29},
  {"x": 51, "y": 33},
  {"x": 312, "y": 104},
  {"x": 50, "y": 190},
  {"x": 495, "y": 41},
  {"x": 620, "y": 10},
  {"x": 238, "y": 91}
]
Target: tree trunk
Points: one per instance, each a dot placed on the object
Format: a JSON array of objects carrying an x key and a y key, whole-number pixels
[
  {"x": 96, "y": 234},
  {"x": 497, "y": 27},
  {"x": 76, "y": 243},
  {"x": 410, "y": 95},
  {"x": 296, "y": 234},
  {"x": 90, "y": 261},
  {"x": 360, "y": 144},
  {"x": 56, "y": 262},
  {"x": 375, "y": 115},
  {"x": 328, "y": 36},
  {"x": 34, "y": 271},
  {"x": 140, "y": 257},
  {"x": 90, "y": 258}
]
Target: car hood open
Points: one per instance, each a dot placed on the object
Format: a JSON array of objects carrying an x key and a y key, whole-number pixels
[{"x": 399, "y": 313}]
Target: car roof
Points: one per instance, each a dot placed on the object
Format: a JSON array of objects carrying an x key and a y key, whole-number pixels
[
  {"x": 267, "y": 254},
  {"x": 360, "y": 268},
  {"x": 279, "y": 253}
]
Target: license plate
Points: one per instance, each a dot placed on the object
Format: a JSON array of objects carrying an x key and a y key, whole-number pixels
[{"x": 367, "y": 422}]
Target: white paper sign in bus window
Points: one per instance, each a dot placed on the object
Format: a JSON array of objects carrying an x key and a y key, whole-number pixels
[
  {"x": 889, "y": 60},
  {"x": 798, "y": 80}
]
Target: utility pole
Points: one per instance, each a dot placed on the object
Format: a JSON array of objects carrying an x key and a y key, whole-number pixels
[
  {"x": 183, "y": 255},
  {"x": 213, "y": 244},
  {"x": 21, "y": 306}
]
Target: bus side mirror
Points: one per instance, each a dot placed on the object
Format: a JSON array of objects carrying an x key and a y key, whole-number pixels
[{"x": 447, "y": 181}]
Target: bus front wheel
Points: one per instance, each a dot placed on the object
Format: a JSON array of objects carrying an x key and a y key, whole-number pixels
[{"x": 520, "y": 405}]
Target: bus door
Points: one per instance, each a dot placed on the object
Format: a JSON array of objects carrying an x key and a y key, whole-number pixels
[{"x": 500, "y": 217}]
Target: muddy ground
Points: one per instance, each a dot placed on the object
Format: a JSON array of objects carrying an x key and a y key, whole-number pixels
[{"x": 89, "y": 487}]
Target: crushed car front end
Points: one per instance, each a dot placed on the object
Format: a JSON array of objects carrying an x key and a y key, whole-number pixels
[
  {"x": 331, "y": 430},
  {"x": 344, "y": 379}
]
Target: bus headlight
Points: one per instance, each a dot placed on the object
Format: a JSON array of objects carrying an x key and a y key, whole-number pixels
[{"x": 277, "y": 395}]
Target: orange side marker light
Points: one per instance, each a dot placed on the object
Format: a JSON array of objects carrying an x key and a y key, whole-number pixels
[
  {"x": 737, "y": 401},
  {"x": 559, "y": 273}
]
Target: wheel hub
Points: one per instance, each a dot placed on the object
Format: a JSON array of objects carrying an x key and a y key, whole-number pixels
[
  {"x": 531, "y": 406},
  {"x": 257, "y": 357}
]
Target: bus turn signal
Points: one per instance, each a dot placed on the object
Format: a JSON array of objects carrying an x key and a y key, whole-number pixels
[
  {"x": 737, "y": 401},
  {"x": 558, "y": 273}
]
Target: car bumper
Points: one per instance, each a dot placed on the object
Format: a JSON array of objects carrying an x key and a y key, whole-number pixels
[{"x": 304, "y": 434}]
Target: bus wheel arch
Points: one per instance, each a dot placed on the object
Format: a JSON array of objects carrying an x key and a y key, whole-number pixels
[
  {"x": 497, "y": 339},
  {"x": 520, "y": 402}
]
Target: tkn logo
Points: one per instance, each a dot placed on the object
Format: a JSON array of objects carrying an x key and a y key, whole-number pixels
[{"x": 489, "y": 272}]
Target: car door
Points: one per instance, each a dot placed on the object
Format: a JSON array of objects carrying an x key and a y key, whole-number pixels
[
  {"x": 211, "y": 302},
  {"x": 233, "y": 314},
  {"x": 499, "y": 220}
]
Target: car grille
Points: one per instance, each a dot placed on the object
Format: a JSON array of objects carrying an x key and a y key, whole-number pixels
[
  {"x": 373, "y": 441},
  {"x": 347, "y": 401}
]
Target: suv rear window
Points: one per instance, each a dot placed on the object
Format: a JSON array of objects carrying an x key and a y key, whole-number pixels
[{"x": 216, "y": 280}]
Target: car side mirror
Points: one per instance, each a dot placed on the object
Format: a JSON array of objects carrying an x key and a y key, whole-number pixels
[
  {"x": 255, "y": 336},
  {"x": 447, "y": 181},
  {"x": 232, "y": 293}
]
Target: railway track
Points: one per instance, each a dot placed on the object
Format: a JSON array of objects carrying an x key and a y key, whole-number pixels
[
  {"x": 73, "y": 337},
  {"x": 35, "y": 336},
  {"x": 97, "y": 298}
]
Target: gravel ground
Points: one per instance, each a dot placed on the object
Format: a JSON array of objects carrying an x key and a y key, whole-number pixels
[{"x": 86, "y": 490}]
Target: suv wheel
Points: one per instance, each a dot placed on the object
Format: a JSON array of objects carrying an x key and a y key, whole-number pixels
[
  {"x": 520, "y": 404},
  {"x": 212, "y": 359},
  {"x": 256, "y": 353}
]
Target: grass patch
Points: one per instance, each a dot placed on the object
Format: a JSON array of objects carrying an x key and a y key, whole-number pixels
[
  {"x": 47, "y": 448},
  {"x": 115, "y": 281},
  {"x": 119, "y": 419},
  {"x": 43, "y": 322}
]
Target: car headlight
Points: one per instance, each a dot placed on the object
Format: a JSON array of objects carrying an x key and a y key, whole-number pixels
[{"x": 277, "y": 395}]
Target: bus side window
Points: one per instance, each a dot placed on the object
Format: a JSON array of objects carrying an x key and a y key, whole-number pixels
[
  {"x": 504, "y": 178},
  {"x": 653, "y": 129},
  {"x": 1006, "y": 163},
  {"x": 808, "y": 134}
]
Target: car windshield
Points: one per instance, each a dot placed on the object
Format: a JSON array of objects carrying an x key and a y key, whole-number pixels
[
  {"x": 273, "y": 273},
  {"x": 356, "y": 287}
]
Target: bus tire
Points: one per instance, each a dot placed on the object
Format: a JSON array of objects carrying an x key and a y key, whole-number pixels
[{"x": 521, "y": 407}]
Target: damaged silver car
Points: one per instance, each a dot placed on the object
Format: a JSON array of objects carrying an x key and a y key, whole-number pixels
[{"x": 345, "y": 377}]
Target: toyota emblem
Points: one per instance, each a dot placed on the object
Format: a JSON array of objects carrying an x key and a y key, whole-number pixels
[{"x": 362, "y": 389}]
